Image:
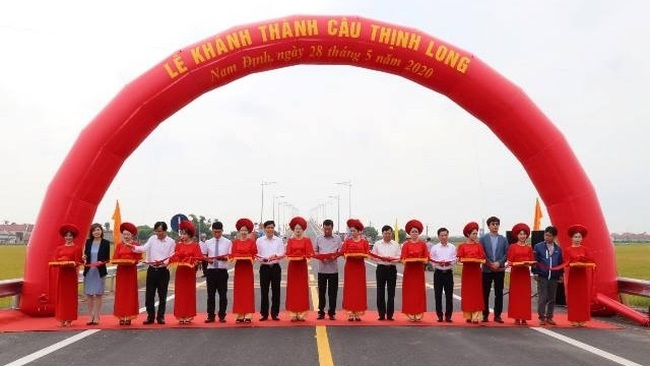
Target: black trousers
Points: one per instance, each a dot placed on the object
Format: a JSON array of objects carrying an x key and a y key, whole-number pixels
[
  {"x": 217, "y": 281},
  {"x": 443, "y": 281},
  {"x": 327, "y": 282},
  {"x": 270, "y": 276},
  {"x": 386, "y": 280},
  {"x": 497, "y": 278},
  {"x": 157, "y": 281}
]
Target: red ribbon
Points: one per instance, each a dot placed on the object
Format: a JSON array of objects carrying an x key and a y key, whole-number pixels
[
  {"x": 384, "y": 259},
  {"x": 556, "y": 268},
  {"x": 327, "y": 256},
  {"x": 94, "y": 264},
  {"x": 264, "y": 259}
]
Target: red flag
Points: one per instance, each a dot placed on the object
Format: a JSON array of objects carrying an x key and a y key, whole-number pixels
[
  {"x": 538, "y": 215},
  {"x": 117, "y": 222}
]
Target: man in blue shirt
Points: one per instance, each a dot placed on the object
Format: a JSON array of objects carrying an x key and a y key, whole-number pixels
[
  {"x": 548, "y": 255},
  {"x": 494, "y": 270}
]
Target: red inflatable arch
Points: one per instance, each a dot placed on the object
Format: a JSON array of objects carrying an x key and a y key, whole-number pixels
[{"x": 74, "y": 193}]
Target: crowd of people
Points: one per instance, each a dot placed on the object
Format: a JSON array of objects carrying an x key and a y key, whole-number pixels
[{"x": 484, "y": 261}]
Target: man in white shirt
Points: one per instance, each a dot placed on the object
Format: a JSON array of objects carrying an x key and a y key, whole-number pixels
[
  {"x": 443, "y": 255},
  {"x": 216, "y": 273},
  {"x": 386, "y": 272},
  {"x": 328, "y": 269},
  {"x": 159, "y": 248},
  {"x": 270, "y": 248}
]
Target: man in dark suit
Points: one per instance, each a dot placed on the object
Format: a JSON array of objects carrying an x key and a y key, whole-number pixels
[{"x": 495, "y": 247}]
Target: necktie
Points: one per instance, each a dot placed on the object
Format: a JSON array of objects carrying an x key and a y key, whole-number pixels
[{"x": 216, "y": 250}]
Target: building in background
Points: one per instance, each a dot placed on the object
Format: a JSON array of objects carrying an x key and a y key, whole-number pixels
[{"x": 15, "y": 233}]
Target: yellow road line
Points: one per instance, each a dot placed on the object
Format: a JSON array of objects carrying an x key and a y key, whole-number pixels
[
  {"x": 322, "y": 341},
  {"x": 324, "y": 352}
]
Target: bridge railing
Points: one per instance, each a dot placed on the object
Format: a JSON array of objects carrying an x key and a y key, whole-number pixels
[
  {"x": 633, "y": 286},
  {"x": 14, "y": 287}
]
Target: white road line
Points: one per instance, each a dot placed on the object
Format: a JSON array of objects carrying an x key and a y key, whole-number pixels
[
  {"x": 55, "y": 347},
  {"x": 574, "y": 342},
  {"x": 77, "y": 337},
  {"x": 586, "y": 347}
]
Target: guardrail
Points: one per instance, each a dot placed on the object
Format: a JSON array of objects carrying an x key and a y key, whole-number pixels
[
  {"x": 634, "y": 286},
  {"x": 14, "y": 287}
]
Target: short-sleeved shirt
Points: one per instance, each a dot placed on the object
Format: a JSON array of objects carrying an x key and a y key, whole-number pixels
[{"x": 324, "y": 245}]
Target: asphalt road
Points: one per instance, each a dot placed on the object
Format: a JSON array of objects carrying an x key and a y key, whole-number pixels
[{"x": 344, "y": 345}]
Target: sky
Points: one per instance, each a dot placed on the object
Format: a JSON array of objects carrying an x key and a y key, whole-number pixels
[{"x": 407, "y": 151}]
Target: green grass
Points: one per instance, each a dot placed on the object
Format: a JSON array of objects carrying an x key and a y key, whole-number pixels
[
  {"x": 633, "y": 260},
  {"x": 12, "y": 264},
  {"x": 12, "y": 261}
]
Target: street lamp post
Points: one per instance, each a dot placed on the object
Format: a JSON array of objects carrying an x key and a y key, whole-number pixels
[
  {"x": 264, "y": 183},
  {"x": 349, "y": 185},
  {"x": 279, "y": 223},
  {"x": 324, "y": 207},
  {"x": 274, "y": 197},
  {"x": 427, "y": 228},
  {"x": 338, "y": 211}
]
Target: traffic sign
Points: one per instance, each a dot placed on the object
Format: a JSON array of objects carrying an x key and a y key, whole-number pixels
[{"x": 176, "y": 221}]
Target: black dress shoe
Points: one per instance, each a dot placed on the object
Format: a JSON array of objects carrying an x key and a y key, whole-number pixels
[
  {"x": 448, "y": 320},
  {"x": 381, "y": 318},
  {"x": 485, "y": 320},
  {"x": 209, "y": 320},
  {"x": 148, "y": 321},
  {"x": 222, "y": 320},
  {"x": 439, "y": 320},
  {"x": 264, "y": 318},
  {"x": 160, "y": 320},
  {"x": 332, "y": 317},
  {"x": 320, "y": 317},
  {"x": 275, "y": 317},
  {"x": 498, "y": 319},
  {"x": 390, "y": 318}
]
